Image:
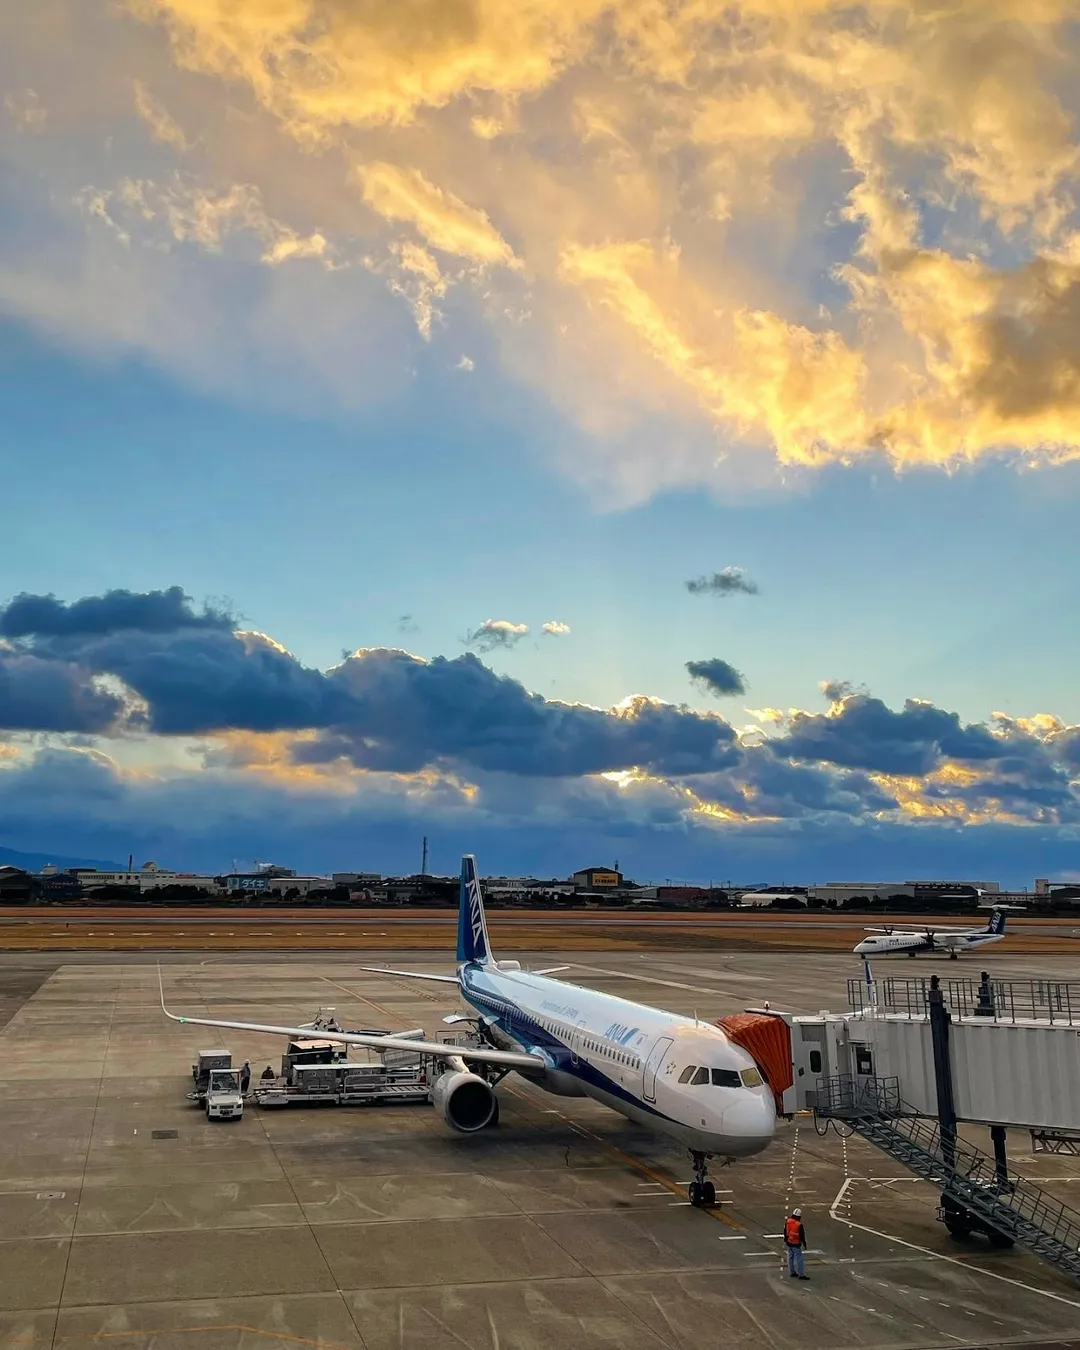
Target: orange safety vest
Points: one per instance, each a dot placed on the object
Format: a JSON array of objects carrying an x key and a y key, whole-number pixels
[{"x": 793, "y": 1232}]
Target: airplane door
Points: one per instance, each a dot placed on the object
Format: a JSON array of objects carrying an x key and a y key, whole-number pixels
[
  {"x": 652, "y": 1066},
  {"x": 576, "y": 1038}
]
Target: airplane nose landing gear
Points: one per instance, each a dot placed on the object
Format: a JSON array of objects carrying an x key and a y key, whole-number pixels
[{"x": 702, "y": 1193}]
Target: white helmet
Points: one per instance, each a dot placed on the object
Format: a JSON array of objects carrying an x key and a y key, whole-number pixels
[{"x": 796, "y": 1213}]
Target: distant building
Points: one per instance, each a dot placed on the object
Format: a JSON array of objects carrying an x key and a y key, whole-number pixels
[
  {"x": 92, "y": 878},
  {"x": 685, "y": 897},
  {"x": 764, "y": 899},
  {"x": 273, "y": 880},
  {"x": 840, "y": 892},
  {"x": 16, "y": 886},
  {"x": 235, "y": 882},
  {"x": 156, "y": 881},
  {"x": 56, "y": 885},
  {"x": 356, "y": 878},
  {"x": 930, "y": 890},
  {"x": 597, "y": 879}
]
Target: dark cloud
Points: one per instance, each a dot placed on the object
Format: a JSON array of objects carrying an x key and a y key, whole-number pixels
[
  {"x": 114, "y": 612},
  {"x": 764, "y": 785},
  {"x": 40, "y": 695},
  {"x": 495, "y": 633},
  {"x": 835, "y": 690},
  {"x": 717, "y": 676},
  {"x": 406, "y": 713},
  {"x": 379, "y": 709},
  {"x": 78, "y": 802},
  {"x": 731, "y": 581},
  {"x": 198, "y": 681},
  {"x": 865, "y": 734}
]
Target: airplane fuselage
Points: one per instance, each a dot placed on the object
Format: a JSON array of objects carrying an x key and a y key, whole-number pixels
[
  {"x": 923, "y": 944},
  {"x": 632, "y": 1058}
]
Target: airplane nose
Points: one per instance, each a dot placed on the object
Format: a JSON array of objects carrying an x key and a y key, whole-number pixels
[{"x": 750, "y": 1124}]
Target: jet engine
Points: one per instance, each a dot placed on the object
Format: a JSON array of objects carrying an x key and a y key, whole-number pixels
[{"x": 466, "y": 1101}]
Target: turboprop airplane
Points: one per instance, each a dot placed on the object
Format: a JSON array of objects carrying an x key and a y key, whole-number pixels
[
  {"x": 675, "y": 1075},
  {"x": 919, "y": 941}
]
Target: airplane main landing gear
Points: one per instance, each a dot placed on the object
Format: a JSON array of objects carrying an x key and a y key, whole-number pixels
[{"x": 702, "y": 1193}]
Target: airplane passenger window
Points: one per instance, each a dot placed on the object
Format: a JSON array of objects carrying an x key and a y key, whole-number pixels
[
  {"x": 687, "y": 1073},
  {"x": 702, "y": 1076},
  {"x": 725, "y": 1078},
  {"x": 751, "y": 1077}
]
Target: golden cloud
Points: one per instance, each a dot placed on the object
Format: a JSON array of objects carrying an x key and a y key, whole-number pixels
[
  {"x": 163, "y": 127},
  {"x": 444, "y": 221},
  {"x": 822, "y": 231}
]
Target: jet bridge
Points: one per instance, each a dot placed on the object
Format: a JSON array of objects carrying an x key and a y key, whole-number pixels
[
  {"x": 1014, "y": 1048},
  {"x": 914, "y": 1057}
]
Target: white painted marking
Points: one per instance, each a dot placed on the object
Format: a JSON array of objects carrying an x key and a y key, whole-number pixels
[
  {"x": 939, "y": 1256},
  {"x": 731, "y": 1237},
  {"x": 650, "y": 979}
]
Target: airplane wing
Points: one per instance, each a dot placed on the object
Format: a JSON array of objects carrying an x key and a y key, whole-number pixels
[
  {"x": 510, "y": 1058},
  {"x": 411, "y": 974}
]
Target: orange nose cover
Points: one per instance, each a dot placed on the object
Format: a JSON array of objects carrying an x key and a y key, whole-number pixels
[{"x": 768, "y": 1039}]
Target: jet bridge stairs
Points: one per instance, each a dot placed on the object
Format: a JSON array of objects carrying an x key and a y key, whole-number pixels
[{"x": 1015, "y": 1210}]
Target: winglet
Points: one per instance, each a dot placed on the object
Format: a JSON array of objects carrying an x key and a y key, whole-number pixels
[{"x": 161, "y": 990}]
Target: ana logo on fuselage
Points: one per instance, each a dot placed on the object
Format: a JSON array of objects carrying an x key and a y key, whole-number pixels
[{"x": 620, "y": 1033}]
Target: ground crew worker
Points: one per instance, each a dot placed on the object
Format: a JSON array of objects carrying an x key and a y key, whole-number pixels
[
  {"x": 795, "y": 1241},
  {"x": 268, "y": 1074},
  {"x": 245, "y": 1078}
]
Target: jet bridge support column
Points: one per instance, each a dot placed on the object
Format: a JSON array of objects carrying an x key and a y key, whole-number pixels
[
  {"x": 1001, "y": 1159},
  {"x": 939, "y": 1032}
]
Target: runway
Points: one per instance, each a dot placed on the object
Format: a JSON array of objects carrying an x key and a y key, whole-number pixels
[{"x": 62, "y": 928}]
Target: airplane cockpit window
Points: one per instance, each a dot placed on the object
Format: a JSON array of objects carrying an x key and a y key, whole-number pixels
[
  {"x": 728, "y": 1078},
  {"x": 751, "y": 1078},
  {"x": 702, "y": 1076},
  {"x": 687, "y": 1073}
]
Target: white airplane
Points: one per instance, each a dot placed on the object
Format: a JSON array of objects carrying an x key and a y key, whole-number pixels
[
  {"x": 675, "y": 1075},
  {"x": 919, "y": 941}
]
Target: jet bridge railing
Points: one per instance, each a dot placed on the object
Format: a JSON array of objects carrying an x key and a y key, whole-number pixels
[
  {"x": 1011, "y": 1206},
  {"x": 1055, "y": 1001}
]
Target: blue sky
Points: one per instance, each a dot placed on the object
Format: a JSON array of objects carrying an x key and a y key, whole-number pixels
[{"x": 477, "y": 347}]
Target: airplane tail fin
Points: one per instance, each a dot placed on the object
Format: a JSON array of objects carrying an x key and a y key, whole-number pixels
[
  {"x": 997, "y": 922},
  {"x": 472, "y": 941}
]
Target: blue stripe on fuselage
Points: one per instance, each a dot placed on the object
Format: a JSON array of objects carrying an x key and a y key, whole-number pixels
[{"x": 524, "y": 1030}]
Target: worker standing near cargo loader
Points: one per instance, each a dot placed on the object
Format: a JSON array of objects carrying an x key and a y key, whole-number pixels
[
  {"x": 245, "y": 1078},
  {"x": 795, "y": 1242}
]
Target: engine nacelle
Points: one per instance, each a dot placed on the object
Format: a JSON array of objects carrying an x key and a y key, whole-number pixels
[{"x": 467, "y": 1102}]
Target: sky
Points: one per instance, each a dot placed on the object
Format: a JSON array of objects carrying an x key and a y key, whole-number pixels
[{"x": 574, "y": 431}]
